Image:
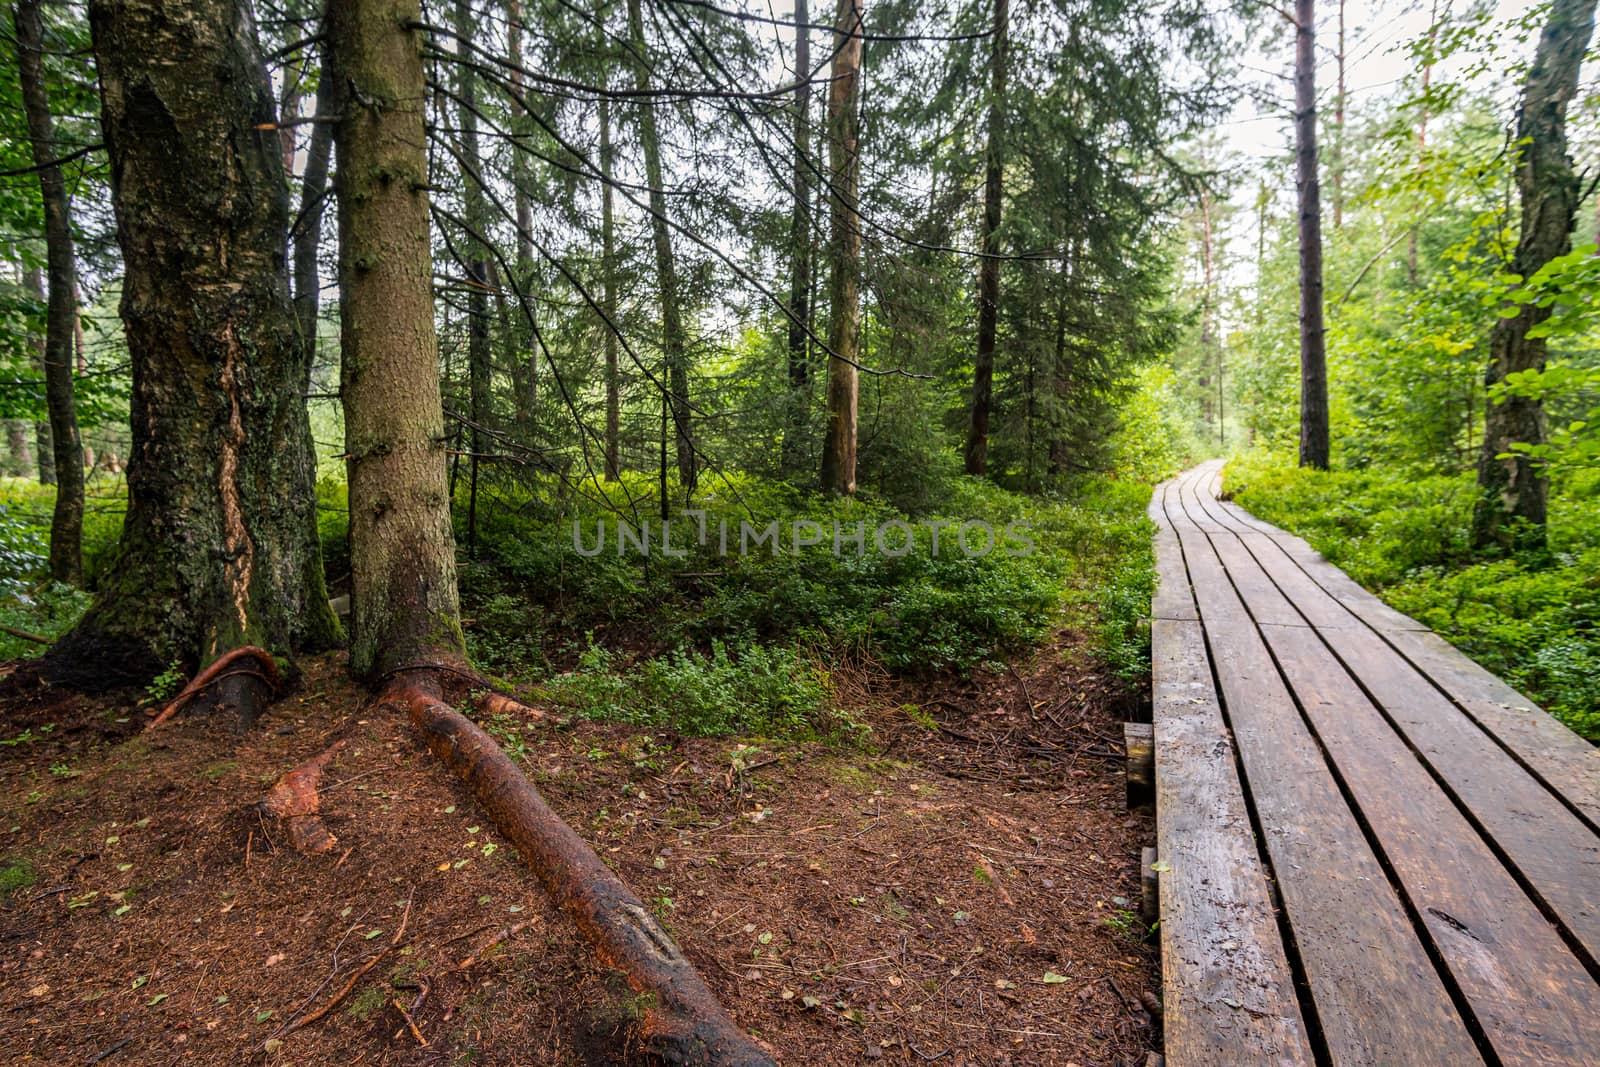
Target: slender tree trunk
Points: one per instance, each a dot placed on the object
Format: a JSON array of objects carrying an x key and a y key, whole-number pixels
[
  {"x": 66, "y": 524},
  {"x": 608, "y": 266},
  {"x": 1510, "y": 514},
  {"x": 989, "y": 267},
  {"x": 17, "y": 444},
  {"x": 800, "y": 247},
  {"x": 402, "y": 552},
  {"x": 1422, "y": 136},
  {"x": 525, "y": 368},
  {"x": 673, "y": 341},
  {"x": 839, "y": 445},
  {"x": 219, "y": 548},
  {"x": 43, "y": 448},
  {"x": 1208, "y": 337},
  {"x": 1340, "y": 99},
  {"x": 1313, "y": 341},
  {"x": 306, "y": 236},
  {"x": 477, "y": 266}
]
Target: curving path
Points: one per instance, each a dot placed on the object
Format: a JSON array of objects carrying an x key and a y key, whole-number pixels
[{"x": 1372, "y": 851}]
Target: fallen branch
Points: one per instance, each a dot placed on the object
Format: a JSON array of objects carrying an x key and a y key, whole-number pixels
[
  {"x": 26, "y": 635},
  {"x": 505, "y": 933},
  {"x": 681, "y": 1022},
  {"x": 344, "y": 990},
  {"x": 293, "y": 802},
  {"x": 221, "y": 668}
]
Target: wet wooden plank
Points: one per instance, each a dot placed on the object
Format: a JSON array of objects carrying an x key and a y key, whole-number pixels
[
  {"x": 1565, "y": 762},
  {"x": 1549, "y": 846},
  {"x": 1378, "y": 998},
  {"x": 1172, "y": 599},
  {"x": 1534, "y": 999},
  {"x": 1229, "y": 994}
]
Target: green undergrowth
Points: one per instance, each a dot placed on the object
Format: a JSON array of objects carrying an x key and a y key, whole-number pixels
[
  {"x": 1534, "y": 622},
  {"x": 709, "y": 639},
  {"x": 719, "y": 641}
]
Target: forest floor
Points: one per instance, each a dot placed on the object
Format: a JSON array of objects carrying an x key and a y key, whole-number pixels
[{"x": 960, "y": 888}]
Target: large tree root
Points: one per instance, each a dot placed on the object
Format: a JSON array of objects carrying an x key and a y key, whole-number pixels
[
  {"x": 680, "y": 1021},
  {"x": 240, "y": 685},
  {"x": 293, "y": 802}
]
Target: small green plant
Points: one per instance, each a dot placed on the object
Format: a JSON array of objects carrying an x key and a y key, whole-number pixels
[
  {"x": 165, "y": 685},
  {"x": 14, "y": 875},
  {"x": 28, "y": 736}
]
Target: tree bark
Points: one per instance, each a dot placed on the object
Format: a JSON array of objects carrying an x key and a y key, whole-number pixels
[
  {"x": 1510, "y": 513},
  {"x": 402, "y": 551},
  {"x": 608, "y": 266},
  {"x": 477, "y": 267},
  {"x": 525, "y": 365},
  {"x": 839, "y": 444},
  {"x": 306, "y": 235},
  {"x": 800, "y": 247},
  {"x": 17, "y": 445},
  {"x": 66, "y": 523},
  {"x": 1422, "y": 137},
  {"x": 43, "y": 447},
  {"x": 219, "y": 548},
  {"x": 1340, "y": 99},
  {"x": 977, "y": 451},
  {"x": 673, "y": 342},
  {"x": 1314, "y": 446}
]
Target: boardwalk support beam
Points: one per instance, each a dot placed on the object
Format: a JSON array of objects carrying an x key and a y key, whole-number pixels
[{"x": 1139, "y": 741}]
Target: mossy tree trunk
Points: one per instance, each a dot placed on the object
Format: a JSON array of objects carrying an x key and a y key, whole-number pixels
[
  {"x": 402, "y": 550},
  {"x": 219, "y": 548},
  {"x": 66, "y": 523},
  {"x": 1510, "y": 513},
  {"x": 839, "y": 444}
]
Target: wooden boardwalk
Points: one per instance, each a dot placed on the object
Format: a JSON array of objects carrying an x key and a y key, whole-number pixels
[{"x": 1372, "y": 851}]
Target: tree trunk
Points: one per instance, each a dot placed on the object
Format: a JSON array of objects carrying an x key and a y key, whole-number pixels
[
  {"x": 1422, "y": 136},
  {"x": 219, "y": 548},
  {"x": 989, "y": 266},
  {"x": 839, "y": 445},
  {"x": 1510, "y": 514},
  {"x": 477, "y": 266},
  {"x": 1340, "y": 99},
  {"x": 306, "y": 236},
  {"x": 66, "y": 524},
  {"x": 17, "y": 445},
  {"x": 800, "y": 247},
  {"x": 525, "y": 368},
  {"x": 673, "y": 341},
  {"x": 1313, "y": 341},
  {"x": 402, "y": 551},
  {"x": 1208, "y": 337},
  {"x": 608, "y": 266},
  {"x": 43, "y": 448}
]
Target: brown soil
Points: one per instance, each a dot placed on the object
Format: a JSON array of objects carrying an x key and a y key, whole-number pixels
[{"x": 958, "y": 889}]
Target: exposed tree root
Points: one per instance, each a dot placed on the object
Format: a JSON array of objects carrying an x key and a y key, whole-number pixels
[
  {"x": 226, "y": 668},
  {"x": 495, "y": 702},
  {"x": 679, "y": 1020},
  {"x": 293, "y": 801}
]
